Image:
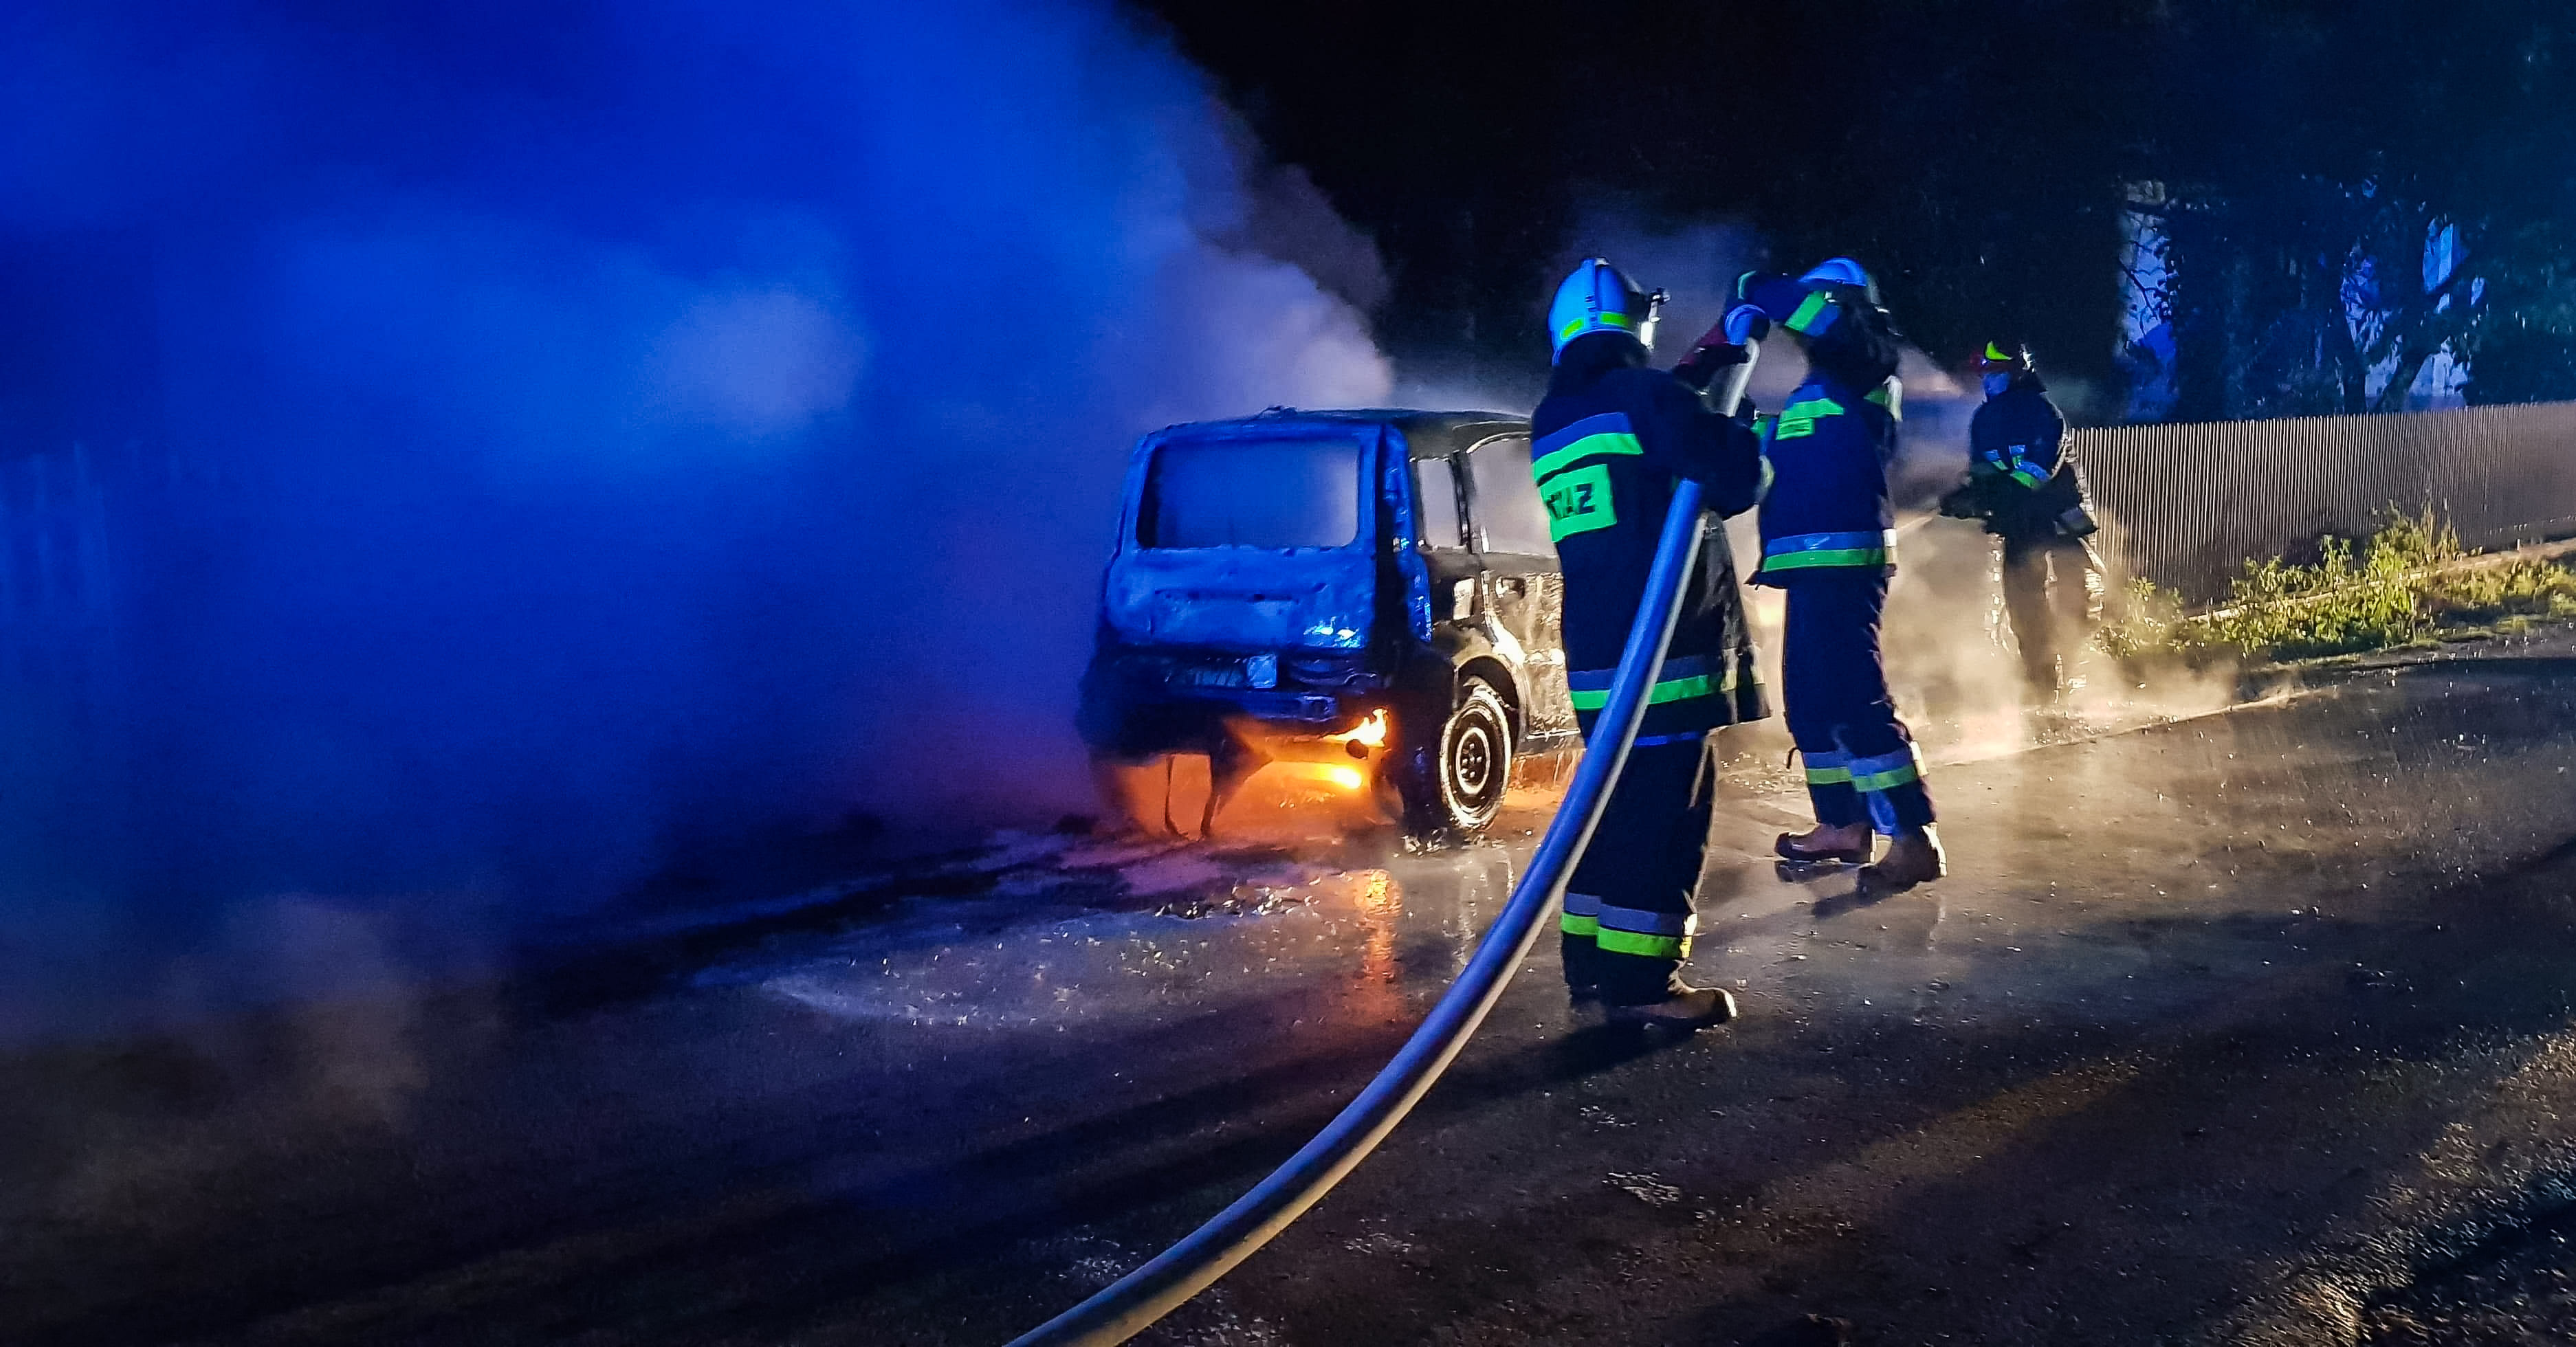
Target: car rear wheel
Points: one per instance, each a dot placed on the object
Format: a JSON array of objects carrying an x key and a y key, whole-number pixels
[{"x": 1453, "y": 781}]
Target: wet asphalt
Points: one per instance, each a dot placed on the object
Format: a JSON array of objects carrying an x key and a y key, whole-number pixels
[{"x": 2248, "y": 1027}]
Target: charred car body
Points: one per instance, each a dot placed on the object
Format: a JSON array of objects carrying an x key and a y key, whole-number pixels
[{"x": 1373, "y": 590}]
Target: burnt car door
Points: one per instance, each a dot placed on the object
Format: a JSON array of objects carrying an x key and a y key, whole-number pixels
[{"x": 1521, "y": 590}]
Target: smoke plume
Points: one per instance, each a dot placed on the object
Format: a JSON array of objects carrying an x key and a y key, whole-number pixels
[{"x": 517, "y": 439}]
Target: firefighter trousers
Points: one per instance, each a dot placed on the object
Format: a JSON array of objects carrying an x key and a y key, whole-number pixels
[
  {"x": 2047, "y": 598},
  {"x": 1628, "y": 917},
  {"x": 1860, "y": 759}
]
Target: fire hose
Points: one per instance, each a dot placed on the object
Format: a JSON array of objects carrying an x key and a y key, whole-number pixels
[{"x": 1127, "y": 1306}]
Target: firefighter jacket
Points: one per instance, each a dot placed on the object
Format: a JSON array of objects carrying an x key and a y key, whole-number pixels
[
  {"x": 1610, "y": 441},
  {"x": 2019, "y": 479},
  {"x": 1827, "y": 509}
]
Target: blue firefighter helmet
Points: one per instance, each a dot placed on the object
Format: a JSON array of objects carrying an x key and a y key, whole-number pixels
[
  {"x": 1595, "y": 297},
  {"x": 1842, "y": 271}
]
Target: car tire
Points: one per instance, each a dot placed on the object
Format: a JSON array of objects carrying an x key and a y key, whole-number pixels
[{"x": 1453, "y": 781}]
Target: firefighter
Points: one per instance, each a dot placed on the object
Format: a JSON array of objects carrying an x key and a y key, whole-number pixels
[
  {"x": 1611, "y": 439},
  {"x": 2025, "y": 490},
  {"x": 1826, "y": 540}
]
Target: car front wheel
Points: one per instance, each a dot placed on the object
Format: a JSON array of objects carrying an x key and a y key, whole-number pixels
[{"x": 1453, "y": 779}]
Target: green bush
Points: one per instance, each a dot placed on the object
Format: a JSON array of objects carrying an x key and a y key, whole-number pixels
[
  {"x": 2144, "y": 623},
  {"x": 2397, "y": 587}
]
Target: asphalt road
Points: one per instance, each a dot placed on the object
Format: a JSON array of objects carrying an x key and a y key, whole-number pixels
[{"x": 2254, "y": 1027}]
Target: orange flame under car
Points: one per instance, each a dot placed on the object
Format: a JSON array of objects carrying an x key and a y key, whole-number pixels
[{"x": 1369, "y": 733}]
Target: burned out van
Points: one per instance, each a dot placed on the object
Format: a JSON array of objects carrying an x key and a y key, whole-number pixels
[{"x": 1371, "y": 593}]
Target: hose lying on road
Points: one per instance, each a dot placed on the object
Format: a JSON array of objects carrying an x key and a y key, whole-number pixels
[{"x": 1125, "y": 1307}]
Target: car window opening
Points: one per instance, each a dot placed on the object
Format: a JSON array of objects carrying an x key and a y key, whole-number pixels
[
  {"x": 1508, "y": 509},
  {"x": 1436, "y": 491},
  {"x": 1266, "y": 493}
]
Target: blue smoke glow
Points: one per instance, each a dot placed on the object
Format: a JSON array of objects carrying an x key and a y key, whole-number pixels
[{"x": 520, "y": 436}]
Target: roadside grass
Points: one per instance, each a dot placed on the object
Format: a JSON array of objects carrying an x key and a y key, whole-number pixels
[{"x": 2409, "y": 583}]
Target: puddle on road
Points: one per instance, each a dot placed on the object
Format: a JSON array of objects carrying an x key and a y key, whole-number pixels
[
  {"x": 1157, "y": 931},
  {"x": 1189, "y": 932}
]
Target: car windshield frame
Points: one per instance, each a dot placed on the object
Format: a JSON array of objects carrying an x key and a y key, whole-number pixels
[{"x": 1145, "y": 534}]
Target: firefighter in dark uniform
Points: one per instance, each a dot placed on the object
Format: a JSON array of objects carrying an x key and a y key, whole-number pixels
[
  {"x": 1610, "y": 441},
  {"x": 1827, "y": 540},
  {"x": 2024, "y": 488}
]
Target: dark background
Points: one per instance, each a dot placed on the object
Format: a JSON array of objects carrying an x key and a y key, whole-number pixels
[{"x": 1977, "y": 155}]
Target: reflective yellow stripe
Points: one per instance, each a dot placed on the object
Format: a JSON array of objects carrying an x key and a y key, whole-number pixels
[
  {"x": 1805, "y": 318},
  {"x": 1571, "y": 330},
  {"x": 2019, "y": 469},
  {"x": 1828, "y": 776},
  {"x": 1683, "y": 689},
  {"x": 1578, "y": 500},
  {"x": 1849, "y": 556},
  {"x": 1888, "y": 780},
  {"x": 1649, "y": 946},
  {"x": 1605, "y": 443},
  {"x": 1798, "y": 419},
  {"x": 1575, "y": 925},
  {"x": 1671, "y": 690}
]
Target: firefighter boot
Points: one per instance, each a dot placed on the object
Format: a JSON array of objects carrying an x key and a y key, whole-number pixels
[
  {"x": 1686, "y": 1009},
  {"x": 1826, "y": 845},
  {"x": 1913, "y": 857}
]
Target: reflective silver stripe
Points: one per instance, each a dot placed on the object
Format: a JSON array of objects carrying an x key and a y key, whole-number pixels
[
  {"x": 1890, "y": 395},
  {"x": 1582, "y": 905},
  {"x": 1648, "y": 923}
]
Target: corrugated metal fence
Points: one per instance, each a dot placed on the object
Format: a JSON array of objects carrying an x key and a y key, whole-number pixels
[{"x": 2186, "y": 505}]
